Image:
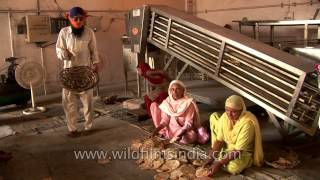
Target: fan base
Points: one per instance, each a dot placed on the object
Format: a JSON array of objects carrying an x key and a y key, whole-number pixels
[{"x": 34, "y": 110}]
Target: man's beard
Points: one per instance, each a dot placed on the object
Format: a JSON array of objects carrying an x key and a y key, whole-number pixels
[{"x": 77, "y": 32}]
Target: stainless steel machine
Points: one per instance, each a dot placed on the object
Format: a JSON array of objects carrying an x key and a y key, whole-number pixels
[{"x": 284, "y": 85}]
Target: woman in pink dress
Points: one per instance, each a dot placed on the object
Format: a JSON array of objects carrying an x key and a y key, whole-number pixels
[{"x": 177, "y": 118}]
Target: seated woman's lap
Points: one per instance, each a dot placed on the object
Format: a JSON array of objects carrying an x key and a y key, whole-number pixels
[{"x": 189, "y": 137}]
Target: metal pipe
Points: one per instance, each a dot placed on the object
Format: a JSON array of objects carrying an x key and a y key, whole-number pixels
[
  {"x": 318, "y": 81},
  {"x": 10, "y": 35},
  {"x": 263, "y": 72},
  {"x": 299, "y": 113},
  {"x": 256, "y": 30},
  {"x": 38, "y": 7},
  {"x": 126, "y": 82},
  {"x": 182, "y": 71},
  {"x": 43, "y": 71},
  {"x": 53, "y": 11},
  {"x": 138, "y": 79},
  {"x": 145, "y": 82},
  {"x": 194, "y": 47},
  {"x": 255, "y": 85},
  {"x": 197, "y": 33},
  {"x": 197, "y": 40},
  {"x": 152, "y": 24},
  {"x": 220, "y": 58},
  {"x": 32, "y": 96},
  {"x": 184, "y": 55},
  {"x": 163, "y": 18},
  {"x": 308, "y": 86},
  {"x": 168, "y": 33},
  {"x": 159, "y": 29},
  {"x": 256, "y": 7},
  {"x": 275, "y": 68},
  {"x": 305, "y": 35},
  {"x": 313, "y": 101},
  {"x": 194, "y": 55},
  {"x": 316, "y": 14},
  {"x": 160, "y": 23},
  {"x": 168, "y": 63},
  {"x": 158, "y": 41},
  {"x": 254, "y": 93},
  {"x": 160, "y": 36},
  {"x": 271, "y": 35},
  {"x": 209, "y": 46}
]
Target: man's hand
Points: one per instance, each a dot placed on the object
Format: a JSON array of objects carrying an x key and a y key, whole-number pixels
[
  {"x": 95, "y": 67},
  {"x": 69, "y": 54},
  {"x": 215, "y": 168}
]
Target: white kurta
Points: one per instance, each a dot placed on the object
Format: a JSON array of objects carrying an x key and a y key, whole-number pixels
[
  {"x": 84, "y": 48},
  {"x": 85, "y": 53}
]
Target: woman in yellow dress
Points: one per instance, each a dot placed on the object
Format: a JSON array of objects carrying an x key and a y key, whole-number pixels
[{"x": 236, "y": 138}]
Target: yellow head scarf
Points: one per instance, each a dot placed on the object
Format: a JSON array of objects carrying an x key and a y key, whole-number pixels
[{"x": 235, "y": 102}]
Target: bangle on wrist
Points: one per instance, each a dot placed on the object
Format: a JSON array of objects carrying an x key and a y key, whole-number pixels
[{"x": 213, "y": 154}]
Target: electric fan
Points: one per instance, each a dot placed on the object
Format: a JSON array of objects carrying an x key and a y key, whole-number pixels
[{"x": 29, "y": 75}]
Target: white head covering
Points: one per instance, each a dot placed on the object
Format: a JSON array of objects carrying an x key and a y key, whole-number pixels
[
  {"x": 182, "y": 85},
  {"x": 175, "y": 108}
]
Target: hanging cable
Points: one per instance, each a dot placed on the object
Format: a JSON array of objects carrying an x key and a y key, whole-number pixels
[{"x": 281, "y": 5}]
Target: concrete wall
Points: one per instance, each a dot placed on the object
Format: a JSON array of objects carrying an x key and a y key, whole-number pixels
[
  {"x": 224, "y": 12},
  {"x": 108, "y": 36}
]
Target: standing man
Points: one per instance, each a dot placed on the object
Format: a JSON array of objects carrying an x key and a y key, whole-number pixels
[{"x": 76, "y": 46}]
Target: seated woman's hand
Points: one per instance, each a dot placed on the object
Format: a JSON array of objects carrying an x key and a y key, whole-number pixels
[
  {"x": 215, "y": 168},
  {"x": 156, "y": 131},
  {"x": 153, "y": 134},
  {"x": 207, "y": 162},
  {"x": 211, "y": 158},
  {"x": 174, "y": 139}
]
